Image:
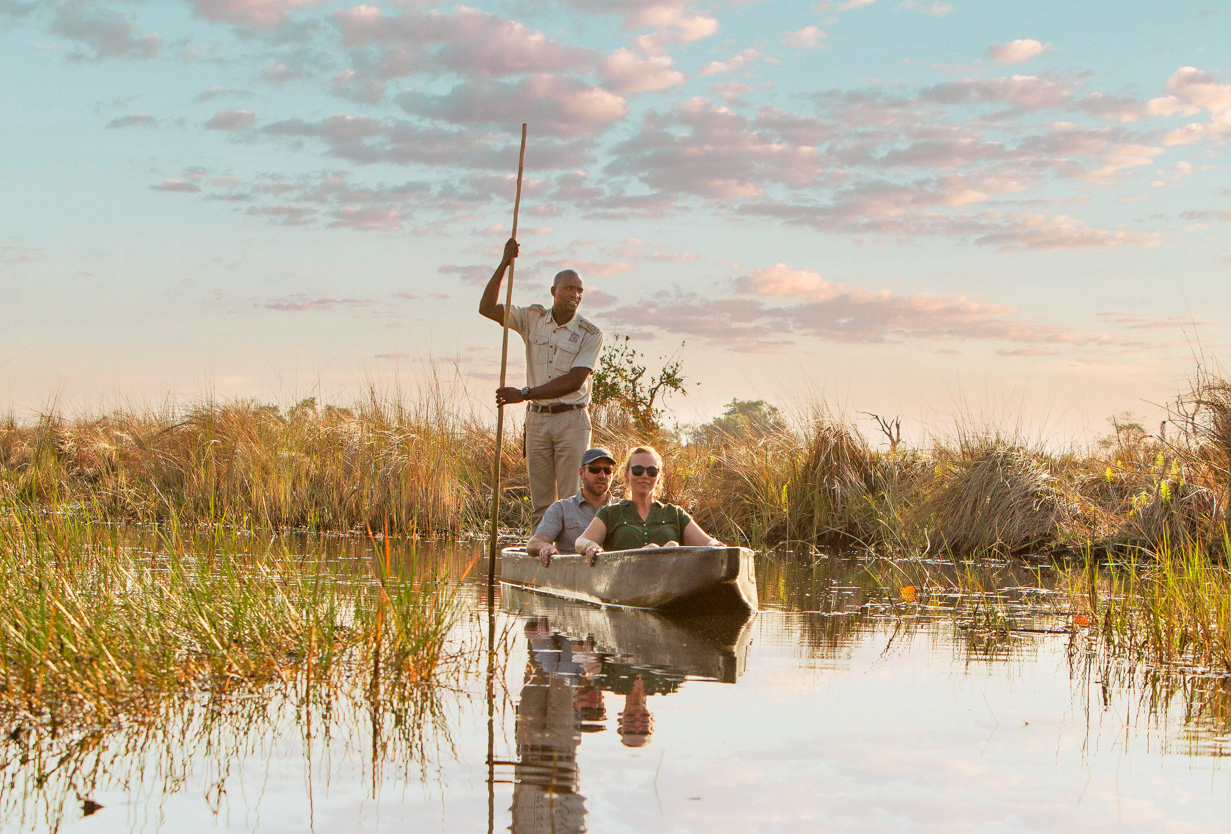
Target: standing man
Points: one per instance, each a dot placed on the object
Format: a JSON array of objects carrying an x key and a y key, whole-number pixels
[
  {"x": 561, "y": 351},
  {"x": 566, "y": 519}
]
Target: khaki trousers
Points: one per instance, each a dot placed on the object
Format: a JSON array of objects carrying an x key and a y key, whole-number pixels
[{"x": 554, "y": 446}]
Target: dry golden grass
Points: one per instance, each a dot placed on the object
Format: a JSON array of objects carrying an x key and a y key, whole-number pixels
[{"x": 424, "y": 468}]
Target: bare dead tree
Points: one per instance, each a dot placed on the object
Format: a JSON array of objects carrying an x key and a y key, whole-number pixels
[{"x": 892, "y": 429}]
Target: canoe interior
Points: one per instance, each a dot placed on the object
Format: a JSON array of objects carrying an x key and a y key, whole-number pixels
[{"x": 699, "y": 579}]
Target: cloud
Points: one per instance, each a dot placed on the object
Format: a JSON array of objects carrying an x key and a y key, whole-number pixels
[
  {"x": 135, "y": 120},
  {"x": 284, "y": 214},
  {"x": 559, "y": 106},
  {"x": 808, "y": 37},
  {"x": 220, "y": 92},
  {"x": 301, "y": 303},
  {"x": 1136, "y": 322},
  {"x": 1193, "y": 90},
  {"x": 369, "y": 219},
  {"x": 1014, "y": 52},
  {"x": 257, "y": 14},
  {"x": 180, "y": 186},
  {"x": 627, "y": 73},
  {"x": 393, "y": 357},
  {"x": 712, "y": 152},
  {"x": 465, "y": 41},
  {"x": 107, "y": 34},
  {"x": 734, "y": 64},
  {"x": 816, "y": 309},
  {"x": 1223, "y": 215},
  {"x": 780, "y": 281},
  {"x": 13, "y": 8},
  {"x": 1022, "y": 92},
  {"x": 1057, "y": 232},
  {"x": 936, "y": 9},
  {"x": 231, "y": 120}
]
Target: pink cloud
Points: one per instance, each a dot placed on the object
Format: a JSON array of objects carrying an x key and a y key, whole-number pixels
[
  {"x": 231, "y": 120},
  {"x": 107, "y": 34},
  {"x": 300, "y": 303},
  {"x": 135, "y": 120},
  {"x": 713, "y": 152},
  {"x": 369, "y": 219},
  {"x": 780, "y": 281},
  {"x": 808, "y": 37},
  {"x": 258, "y": 14},
  {"x": 1193, "y": 90},
  {"x": 172, "y": 185},
  {"x": 558, "y": 106},
  {"x": 1014, "y": 52},
  {"x": 733, "y": 64},
  {"x": 1057, "y": 232},
  {"x": 627, "y": 73},
  {"x": 1136, "y": 322},
  {"x": 465, "y": 41}
]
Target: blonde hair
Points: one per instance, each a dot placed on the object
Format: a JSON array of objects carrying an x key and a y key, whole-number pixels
[{"x": 628, "y": 462}]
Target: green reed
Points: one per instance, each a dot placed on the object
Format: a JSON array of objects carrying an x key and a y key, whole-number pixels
[
  {"x": 98, "y": 627},
  {"x": 1171, "y": 607}
]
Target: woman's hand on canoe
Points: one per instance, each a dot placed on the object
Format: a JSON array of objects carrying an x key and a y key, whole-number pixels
[{"x": 592, "y": 550}]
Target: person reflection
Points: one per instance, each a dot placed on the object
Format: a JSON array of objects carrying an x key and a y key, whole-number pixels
[
  {"x": 558, "y": 702},
  {"x": 636, "y": 722}
]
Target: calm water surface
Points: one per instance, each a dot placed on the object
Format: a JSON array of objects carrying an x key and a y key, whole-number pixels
[{"x": 845, "y": 705}]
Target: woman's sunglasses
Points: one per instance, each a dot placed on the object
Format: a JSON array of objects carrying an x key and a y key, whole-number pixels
[
  {"x": 599, "y": 470},
  {"x": 652, "y": 471}
]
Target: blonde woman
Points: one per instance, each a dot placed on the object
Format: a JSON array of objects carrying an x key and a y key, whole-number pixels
[{"x": 639, "y": 520}]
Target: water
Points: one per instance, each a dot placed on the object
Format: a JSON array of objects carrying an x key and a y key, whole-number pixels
[{"x": 866, "y": 696}]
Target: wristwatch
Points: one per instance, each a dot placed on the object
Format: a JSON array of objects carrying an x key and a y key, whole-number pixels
[{"x": 525, "y": 393}]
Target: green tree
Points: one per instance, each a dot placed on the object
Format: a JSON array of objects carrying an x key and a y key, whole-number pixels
[
  {"x": 620, "y": 385},
  {"x": 741, "y": 419}
]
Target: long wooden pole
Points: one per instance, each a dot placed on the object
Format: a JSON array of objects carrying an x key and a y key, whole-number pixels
[{"x": 504, "y": 363}]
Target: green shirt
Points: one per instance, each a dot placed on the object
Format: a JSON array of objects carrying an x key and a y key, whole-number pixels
[{"x": 626, "y": 530}]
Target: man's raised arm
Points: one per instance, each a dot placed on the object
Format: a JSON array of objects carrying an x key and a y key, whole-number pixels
[{"x": 489, "y": 306}]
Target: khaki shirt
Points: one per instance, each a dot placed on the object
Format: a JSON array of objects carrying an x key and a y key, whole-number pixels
[
  {"x": 567, "y": 519},
  {"x": 552, "y": 350}
]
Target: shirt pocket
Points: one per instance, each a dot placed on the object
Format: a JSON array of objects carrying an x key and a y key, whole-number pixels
[{"x": 564, "y": 356}]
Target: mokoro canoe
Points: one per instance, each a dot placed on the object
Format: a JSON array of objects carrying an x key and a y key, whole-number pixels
[
  {"x": 696, "y": 578},
  {"x": 710, "y": 646}
]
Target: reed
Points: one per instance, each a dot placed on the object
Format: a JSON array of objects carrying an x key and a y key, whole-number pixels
[
  {"x": 1170, "y": 607},
  {"x": 421, "y": 466},
  {"x": 99, "y": 627}
]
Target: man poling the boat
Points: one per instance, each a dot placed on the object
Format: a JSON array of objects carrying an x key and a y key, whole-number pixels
[
  {"x": 565, "y": 520},
  {"x": 640, "y": 521},
  {"x": 562, "y": 349}
]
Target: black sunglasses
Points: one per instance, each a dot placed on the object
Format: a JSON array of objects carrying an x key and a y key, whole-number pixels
[
  {"x": 652, "y": 471},
  {"x": 599, "y": 470}
]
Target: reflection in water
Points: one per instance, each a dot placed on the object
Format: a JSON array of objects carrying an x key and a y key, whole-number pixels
[
  {"x": 575, "y": 654},
  {"x": 222, "y": 748}
]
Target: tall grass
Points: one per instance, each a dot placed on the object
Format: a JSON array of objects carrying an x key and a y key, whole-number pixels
[
  {"x": 96, "y": 627},
  {"x": 1172, "y": 609},
  {"x": 423, "y": 467}
]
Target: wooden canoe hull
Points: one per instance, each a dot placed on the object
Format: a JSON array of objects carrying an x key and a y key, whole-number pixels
[
  {"x": 711, "y": 646},
  {"x": 694, "y": 578}
]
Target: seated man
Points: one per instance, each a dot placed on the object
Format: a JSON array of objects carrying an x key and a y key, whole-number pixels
[{"x": 564, "y": 520}]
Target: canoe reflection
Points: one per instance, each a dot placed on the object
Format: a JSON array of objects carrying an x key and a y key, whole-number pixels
[{"x": 576, "y": 654}]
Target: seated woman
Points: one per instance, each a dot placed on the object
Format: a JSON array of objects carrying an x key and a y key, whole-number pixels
[{"x": 639, "y": 520}]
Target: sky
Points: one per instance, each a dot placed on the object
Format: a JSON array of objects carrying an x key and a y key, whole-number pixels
[{"x": 1012, "y": 213}]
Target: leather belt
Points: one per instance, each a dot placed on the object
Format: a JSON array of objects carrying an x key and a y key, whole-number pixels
[{"x": 558, "y": 408}]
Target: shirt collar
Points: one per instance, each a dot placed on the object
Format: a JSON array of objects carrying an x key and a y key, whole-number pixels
[{"x": 579, "y": 498}]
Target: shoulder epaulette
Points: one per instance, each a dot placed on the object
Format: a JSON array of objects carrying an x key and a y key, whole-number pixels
[
  {"x": 538, "y": 308},
  {"x": 588, "y": 326}
]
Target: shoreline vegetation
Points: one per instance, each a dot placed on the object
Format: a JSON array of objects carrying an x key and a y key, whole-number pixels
[
  {"x": 423, "y": 470},
  {"x": 94, "y": 625}
]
